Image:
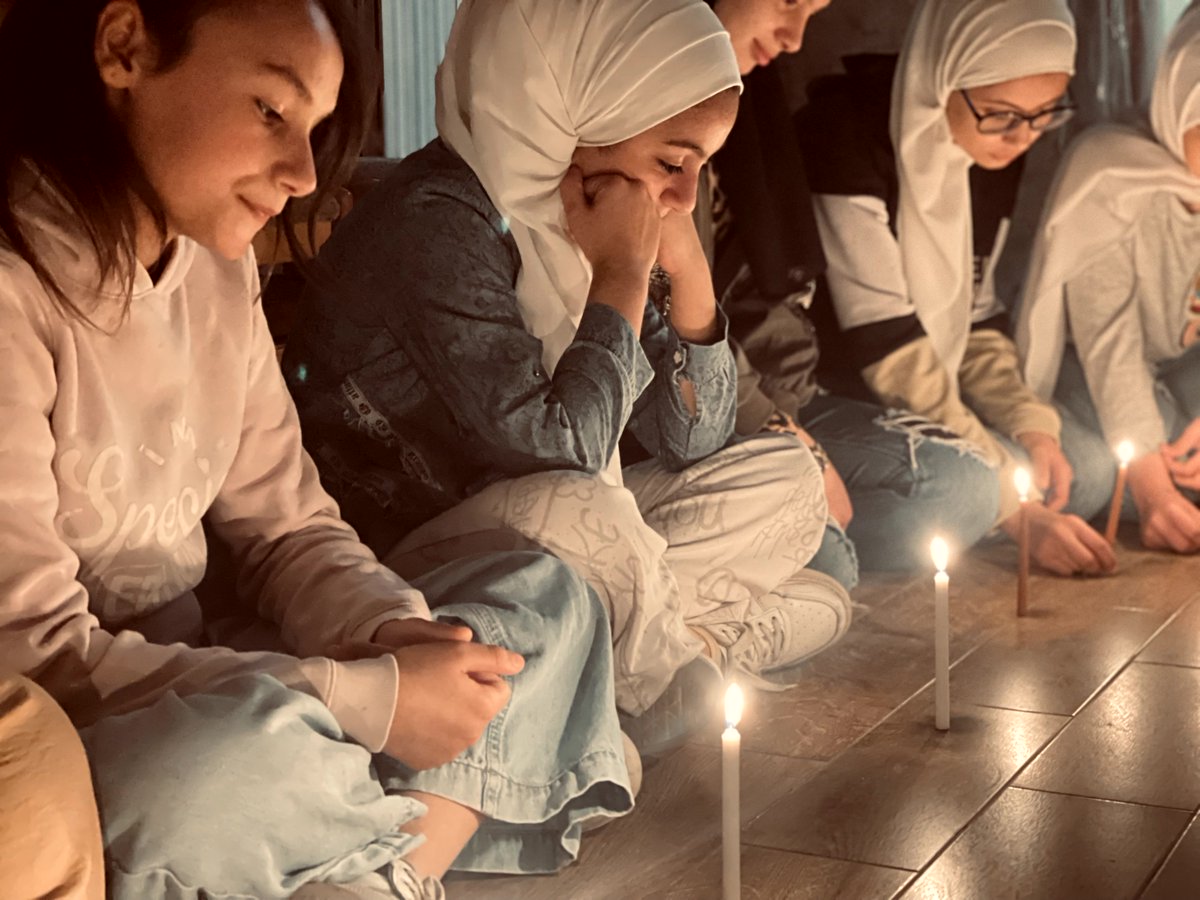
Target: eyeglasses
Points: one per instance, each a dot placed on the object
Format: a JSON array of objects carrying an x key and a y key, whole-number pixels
[{"x": 1006, "y": 122}]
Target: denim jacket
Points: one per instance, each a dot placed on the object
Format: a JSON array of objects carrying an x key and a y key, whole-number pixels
[{"x": 417, "y": 383}]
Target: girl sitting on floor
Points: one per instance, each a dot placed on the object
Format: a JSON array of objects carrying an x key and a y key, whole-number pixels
[
  {"x": 140, "y": 395},
  {"x": 496, "y": 324},
  {"x": 915, "y": 166},
  {"x": 1110, "y": 324},
  {"x": 892, "y": 479}
]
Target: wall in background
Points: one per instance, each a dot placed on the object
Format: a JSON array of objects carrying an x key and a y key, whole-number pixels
[
  {"x": 414, "y": 35},
  {"x": 1119, "y": 40}
]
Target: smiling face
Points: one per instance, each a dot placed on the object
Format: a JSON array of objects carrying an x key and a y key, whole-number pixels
[
  {"x": 668, "y": 157},
  {"x": 762, "y": 29},
  {"x": 224, "y": 135},
  {"x": 1028, "y": 96}
]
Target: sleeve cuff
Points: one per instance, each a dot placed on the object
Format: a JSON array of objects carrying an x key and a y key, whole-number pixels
[
  {"x": 603, "y": 328},
  {"x": 703, "y": 363},
  {"x": 1039, "y": 417},
  {"x": 364, "y": 632},
  {"x": 362, "y": 697}
]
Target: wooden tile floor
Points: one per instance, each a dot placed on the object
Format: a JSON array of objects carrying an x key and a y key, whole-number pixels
[{"x": 1072, "y": 768}]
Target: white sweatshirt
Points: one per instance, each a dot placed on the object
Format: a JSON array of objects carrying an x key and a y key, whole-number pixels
[
  {"x": 1129, "y": 312},
  {"x": 114, "y": 444}
]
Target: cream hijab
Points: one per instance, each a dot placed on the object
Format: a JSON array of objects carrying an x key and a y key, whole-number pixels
[
  {"x": 525, "y": 82},
  {"x": 1109, "y": 178},
  {"x": 956, "y": 45}
]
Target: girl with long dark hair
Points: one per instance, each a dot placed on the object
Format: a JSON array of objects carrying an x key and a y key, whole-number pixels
[{"x": 142, "y": 146}]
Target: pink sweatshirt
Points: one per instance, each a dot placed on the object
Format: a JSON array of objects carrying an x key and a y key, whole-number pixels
[{"x": 115, "y": 443}]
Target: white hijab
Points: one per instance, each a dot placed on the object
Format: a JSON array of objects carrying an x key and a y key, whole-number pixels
[
  {"x": 525, "y": 82},
  {"x": 955, "y": 45},
  {"x": 1109, "y": 178}
]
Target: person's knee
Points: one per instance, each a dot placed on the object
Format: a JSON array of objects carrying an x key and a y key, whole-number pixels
[
  {"x": 837, "y": 558},
  {"x": 220, "y": 789},
  {"x": 967, "y": 485},
  {"x": 49, "y": 826},
  {"x": 1093, "y": 479},
  {"x": 517, "y": 596}
]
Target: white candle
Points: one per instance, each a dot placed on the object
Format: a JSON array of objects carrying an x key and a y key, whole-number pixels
[
  {"x": 1125, "y": 454},
  {"x": 1023, "y": 482},
  {"x": 941, "y": 634},
  {"x": 731, "y": 814}
]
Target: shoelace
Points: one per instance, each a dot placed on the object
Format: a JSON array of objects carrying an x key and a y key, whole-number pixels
[
  {"x": 763, "y": 640},
  {"x": 753, "y": 645},
  {"x": 405, "y": 882}
]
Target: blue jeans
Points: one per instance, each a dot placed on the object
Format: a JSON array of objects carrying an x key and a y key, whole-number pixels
[
  {"x": 1177, "y": 393},
  {"x": 907, "y": 479},
  {"x": 251, "y": 790}
]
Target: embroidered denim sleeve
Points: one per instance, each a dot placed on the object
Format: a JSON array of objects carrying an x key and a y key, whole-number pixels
[
  {"x": 454, "y": 309},
  {"x": 661, "y": 420}
]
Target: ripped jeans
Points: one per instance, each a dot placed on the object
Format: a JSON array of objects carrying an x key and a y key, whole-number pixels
[{"x": 907, "y": 479}]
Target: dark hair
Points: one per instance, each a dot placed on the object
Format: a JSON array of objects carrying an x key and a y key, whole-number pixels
[{"x": 54, "y": 114}]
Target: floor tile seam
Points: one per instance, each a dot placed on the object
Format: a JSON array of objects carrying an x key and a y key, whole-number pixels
[
  {"x": 845, "y": 859},
  {"x": 1107, "y": 683},
  {"x": 1162, "y": 863},
  {"x": 941, "y": 851},
  {"x": 1190, "y": 810},
  {"x": 762, "y": 845},
  {"x": 899, "y": 706},
  {"x": 1166, "y": 665},
  {"x": 991, "y": 800}
]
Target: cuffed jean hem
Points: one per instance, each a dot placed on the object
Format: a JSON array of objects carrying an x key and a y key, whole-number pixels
[
  {"x": 531, "y": 828},
  {"x": 533, "y": 792}
]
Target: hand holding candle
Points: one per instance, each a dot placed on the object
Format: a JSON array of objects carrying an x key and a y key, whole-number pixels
[
  {"x": 1125, "y": 454},
  {"x": 731, "y": 814},
  {"x": 1022, "y": 482},
  {"x": 941, "y": 634}
]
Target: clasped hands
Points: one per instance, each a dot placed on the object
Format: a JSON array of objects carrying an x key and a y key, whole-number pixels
[{"x": 450, "y": 687}]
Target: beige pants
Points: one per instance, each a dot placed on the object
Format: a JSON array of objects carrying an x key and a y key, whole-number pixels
[
  {"x": 49, "y": 827},
  {"x": 664, "y": 551}
]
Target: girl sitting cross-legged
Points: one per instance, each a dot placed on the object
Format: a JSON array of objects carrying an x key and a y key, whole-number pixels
[
  {"x": 1110, "y": 325},
  {"x": 522, "y": 289},
  {"x": 915, "y": 165},
  {"x": 143, "y": 143}
]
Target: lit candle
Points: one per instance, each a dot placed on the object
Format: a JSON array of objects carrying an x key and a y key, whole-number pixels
[
  {"x": 1022, "y": 482},
  {"x": 731, "y": 815},
  {"x": 1125, "y": 453},
  {"x": 941, "y": 634}
]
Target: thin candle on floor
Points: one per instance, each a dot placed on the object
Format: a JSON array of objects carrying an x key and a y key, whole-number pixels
[
  {"x": 1125, "y": 453},
  {"x": 731, "y": 814},
  {"x": 941, "y": 634},
  {"x": 1022, "y": 481}
]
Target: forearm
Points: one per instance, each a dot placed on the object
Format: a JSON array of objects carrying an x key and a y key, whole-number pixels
[
  {"x": 694, "y": 306},
  {"x": 991, "y": 382}
]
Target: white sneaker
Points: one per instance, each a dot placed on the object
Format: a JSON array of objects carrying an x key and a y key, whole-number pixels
[
  {"x": 397, "y": 881},
  {"x": 783, "y": 629}
]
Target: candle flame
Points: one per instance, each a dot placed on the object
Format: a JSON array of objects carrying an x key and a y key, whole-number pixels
[
  {"x": 735, "y": 702},
  {"x": 940, "y": 552},
  {"x": 1125, "y": 452},
  {"x": 1023, "y": 482}
]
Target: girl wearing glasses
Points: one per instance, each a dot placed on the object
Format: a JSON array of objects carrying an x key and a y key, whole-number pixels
[
  {"x": 915, "y": 166},
  {"x": 1110, "y": 324},
  {"x": 756, "y": 217}
]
